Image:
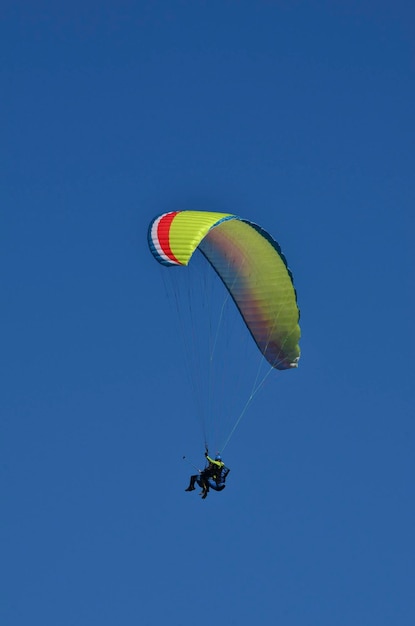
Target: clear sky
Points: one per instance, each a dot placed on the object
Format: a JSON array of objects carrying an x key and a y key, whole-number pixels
[{"x": 300, "y": 117}]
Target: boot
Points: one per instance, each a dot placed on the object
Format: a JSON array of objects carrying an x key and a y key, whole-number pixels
[{"x": 191, "y": 486}]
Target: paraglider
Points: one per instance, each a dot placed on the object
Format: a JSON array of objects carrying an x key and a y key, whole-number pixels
[
  {"x": 212, "y": 477},
  {"x": 254, "y": 271}
]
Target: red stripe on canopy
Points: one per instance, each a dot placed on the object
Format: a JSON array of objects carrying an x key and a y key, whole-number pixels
[{"x": 163, "y": 235}]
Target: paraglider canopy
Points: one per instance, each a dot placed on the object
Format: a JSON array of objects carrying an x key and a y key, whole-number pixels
[{"x": 250, "y": 264}]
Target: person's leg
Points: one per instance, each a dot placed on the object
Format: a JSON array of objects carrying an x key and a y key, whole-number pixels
[
  {"x": 191, "y": 486},
  {"x": 203, "y": 483}
]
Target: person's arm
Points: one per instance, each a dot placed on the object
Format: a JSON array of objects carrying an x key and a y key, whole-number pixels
[{"x": 217, "y": 463}]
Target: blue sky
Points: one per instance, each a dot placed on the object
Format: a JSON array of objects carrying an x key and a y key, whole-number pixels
[{"x": 299, "y": 116}]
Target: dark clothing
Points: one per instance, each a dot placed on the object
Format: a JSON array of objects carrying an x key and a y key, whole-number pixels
[{"x": 212, "y": 477}]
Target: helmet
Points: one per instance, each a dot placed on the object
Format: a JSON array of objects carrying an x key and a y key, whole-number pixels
[{"x": 218, "y": 457}]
